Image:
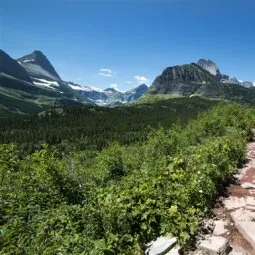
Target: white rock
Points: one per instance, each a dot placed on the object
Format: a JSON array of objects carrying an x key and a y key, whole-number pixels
[
  {"x": 161, "y": 245},
  {"x": 237, "y": 253},
  {"x": 244, "y": 221},
  {"x": 215, "y": 245},
  {"x": 248, "y": 185},
  {"x": 234, "y": 202},
  {"x": 219, "y": 227}
]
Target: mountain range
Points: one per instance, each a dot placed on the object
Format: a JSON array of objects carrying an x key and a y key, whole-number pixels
[
  {"x": 31, "y": 83},
  {"x": 202, "y": 79}
]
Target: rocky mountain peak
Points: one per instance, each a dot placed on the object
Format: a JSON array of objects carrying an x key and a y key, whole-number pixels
[
  {"x": 182, "y": 80},
  {"x": 209, "y": 65},
  {"x": 37, "y": 59}
]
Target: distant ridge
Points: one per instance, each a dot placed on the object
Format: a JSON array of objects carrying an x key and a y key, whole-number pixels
[{"x": 11, "y": 67}]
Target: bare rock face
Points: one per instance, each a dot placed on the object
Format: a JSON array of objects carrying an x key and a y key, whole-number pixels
[
  {"x": 37, "y": 65},
  {"x": 212, "y": 68},
  {"x": 182, "y": 80},
  {"x": 209, "y": 65}
]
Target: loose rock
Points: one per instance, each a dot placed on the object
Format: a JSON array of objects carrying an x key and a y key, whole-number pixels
[
  {"x": 161, "y": 245},
  {"x": 248, "y": 185},
  {"x": 215, "y": 245},
  {"x": 219, "y": 228}
]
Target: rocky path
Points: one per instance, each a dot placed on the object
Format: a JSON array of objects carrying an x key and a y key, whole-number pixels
[
  {"x": 233, "y": 220},
  {"x": 231, "y": 228}
]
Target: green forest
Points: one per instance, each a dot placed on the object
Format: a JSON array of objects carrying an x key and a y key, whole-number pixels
[
  {"x": 92, "y": 128},
  {"x": 104, "y": 181}
]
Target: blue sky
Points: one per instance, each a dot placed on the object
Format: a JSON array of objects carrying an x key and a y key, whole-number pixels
[{"x": 125, "y": 42}]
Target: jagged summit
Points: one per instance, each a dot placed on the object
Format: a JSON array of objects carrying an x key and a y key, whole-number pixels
[
  {"x": 212, "y": 68},
  {"x": 209, "y": 65},
  {"x": 37, "y": 65},
  {"x": 182, "y": 80}
]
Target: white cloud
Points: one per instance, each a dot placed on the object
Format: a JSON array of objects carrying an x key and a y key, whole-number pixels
[
  {"x": 254, "y": 83},
  {"x": 129, "y": 82},
  {"x": 141, "y": 79},
  {"x": 114, "y": 86},
  {"x": 106, "y": 72}
]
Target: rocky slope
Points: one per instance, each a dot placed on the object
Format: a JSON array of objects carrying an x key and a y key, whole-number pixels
[
  {"x": 10, "y": 67},
  {"x": 38, "y": 66},
  {"x": 182, "y": 80},
  {"x": 212, "y": 68},
  {"x": 202, "y": 79}
]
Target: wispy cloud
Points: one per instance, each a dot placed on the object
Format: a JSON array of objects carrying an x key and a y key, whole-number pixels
[
  {"x": 115, "y": 86},
  {"x": 106, "y": 72},
  {"x": 129, "y": 82},
  {"x": 141, "y": 79}
]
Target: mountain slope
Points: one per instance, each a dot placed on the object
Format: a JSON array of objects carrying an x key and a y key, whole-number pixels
[
  {"x": 18, "y": 96},
  {"x": 31, "y": 83},
  {"x": 192, "y": 79},
  {"x": 136, "y": 93},
  {"x": 11, "y": 67},
  {"x": 181, "y": 80},
  {"x": 212, "y": 68},
  {"x": 38, "y": 66},
  {"x": 233, "y": 92}
]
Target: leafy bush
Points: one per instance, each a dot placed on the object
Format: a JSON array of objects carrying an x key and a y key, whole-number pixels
[{"x": 127, "y": 195}]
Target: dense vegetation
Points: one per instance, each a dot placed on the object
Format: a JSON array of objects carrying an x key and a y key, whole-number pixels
[
  {"x": 54, "y": 203},
  {"x": 91, "y": 128}
]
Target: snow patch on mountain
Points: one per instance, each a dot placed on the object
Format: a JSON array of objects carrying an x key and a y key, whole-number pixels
[
  {"x": 28, "y": 60},
  {"x": 46, "y": 83},
  {"x": 83, "y": 88}
]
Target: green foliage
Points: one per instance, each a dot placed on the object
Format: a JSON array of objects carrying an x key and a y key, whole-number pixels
[
  {"x": 126, "y": 195},
  {"x": 93, "y": 128}
]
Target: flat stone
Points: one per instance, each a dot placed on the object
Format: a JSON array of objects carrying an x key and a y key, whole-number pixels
[
  {"x": 245, "y": 223},
  {"x": 215, "y": 245},
  {"x": 161, "y": 245},
  {"x": 234, "y": 202},
  {"x": 237, "y": 253},
  {"x": 248, "y": 185},
  {"x": 219, "y": 227},
  {"x": 250, "y": 201},
  {"x": 250, "y": 207}
]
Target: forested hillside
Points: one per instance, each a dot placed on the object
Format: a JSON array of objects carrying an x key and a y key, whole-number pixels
[
  {"x": 92, "y": 128},
  {"x": 59, "y": 203}
]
